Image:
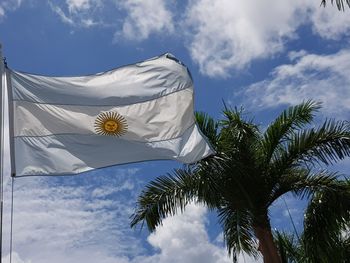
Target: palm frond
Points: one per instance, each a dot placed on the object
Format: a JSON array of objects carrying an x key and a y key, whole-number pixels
[
  {"x": 167, "y": 194},
  {"x": 208, "y": 126},
  {"x": 288, "y": 121},
  {"x": 327, "y": 144},
  {"x": 339, "y": 3},
  {"x": 303, "y": 183},
  {"x": 236, "y": 126},
  {"x": 327, "y": 215},
  {"x": 238, "y": 232},
  {"x": 239, "y": 137},
  {"x": 288, "y": 248}
]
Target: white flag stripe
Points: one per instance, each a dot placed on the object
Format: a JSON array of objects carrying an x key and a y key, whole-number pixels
[
  {"x": 149, "y": 105},
  {"x": 171, "y": 116},
  {"x": 126, "y": 85},
  {"x": 71, "y": 154}
]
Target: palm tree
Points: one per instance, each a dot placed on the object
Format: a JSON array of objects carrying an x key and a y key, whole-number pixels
[
  {"x": 327, "y": 218},
  {"x": 250, "y": 170},
  {"x": 339, "y": 3},
  {"x": 289, "y": 247},
  {"x": 326, "y": 235}
]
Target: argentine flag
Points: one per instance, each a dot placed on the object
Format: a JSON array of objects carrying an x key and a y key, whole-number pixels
[{"x": 69, "y": 125}]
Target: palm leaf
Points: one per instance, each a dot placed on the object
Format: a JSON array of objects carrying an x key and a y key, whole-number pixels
[
  {"x": 235, "y": 127},
  {"x": 288, "y": 248},
  {"x": 288, "y": 121},
  {"x": 339, "y": 3},
  {"x": 167, "y": 194},
  {"x": 208, "y": 126},
  {"x": 238, "y": 232},
  {"x": 327, "y": 215},
  {"x": 327, "y": 144},
  {"x": 163, "y": 197},
  {"x": 239, "y": 139},
  {"x": 303, "y": 183}
]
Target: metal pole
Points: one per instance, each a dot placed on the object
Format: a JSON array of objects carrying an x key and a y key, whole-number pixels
[{"x": 1, "y": 150}]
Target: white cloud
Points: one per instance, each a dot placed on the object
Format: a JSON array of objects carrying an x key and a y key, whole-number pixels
[
  {"x": 133, "y": 19},
  {"x": 11, "y": 4},
  {"x": 230, "y": 34},
  {"x": 323, "y": 78},
  {"x": 222, "y": 36},
  {"x": 225, "y": 35},
  {"x": 15, "y": 258},
  {"x": 57, "y": 217},
  {"x": 77, "y": 5},
  {"x": 186, "y": 231},
  {"x": 80, "y": 13},
  {"x": 8, "y": 5},
  {"x": 293, "y": 55},
  {"x": 183, "y": 238},
  {"x": 144, "y": 18},
  {"x": 89, "y": 22},
  {"x": 329, "y": 23},
  {"x": 86, "y": 219},
  {"x": 2, "y": 12},
  {"x": 64, "y": 18}
]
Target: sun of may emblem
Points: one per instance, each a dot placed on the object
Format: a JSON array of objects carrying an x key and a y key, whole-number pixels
[{"x": 110, "y": 123}]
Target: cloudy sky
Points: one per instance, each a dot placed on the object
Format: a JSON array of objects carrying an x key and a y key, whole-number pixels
[{"x": 264, "y": 55}]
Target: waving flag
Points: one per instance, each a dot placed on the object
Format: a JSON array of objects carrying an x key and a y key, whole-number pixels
[{"x": 69, "y": 125}]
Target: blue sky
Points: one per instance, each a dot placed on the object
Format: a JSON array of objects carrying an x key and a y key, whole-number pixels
[{"x": 264, "y": 55}]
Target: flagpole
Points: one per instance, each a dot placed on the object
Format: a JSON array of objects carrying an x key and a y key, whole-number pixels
[{"x": 1, "y": 150}]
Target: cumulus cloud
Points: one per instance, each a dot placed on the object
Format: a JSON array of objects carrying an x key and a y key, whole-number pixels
[
  {"x": 329, "y": 23},
  {"x": 222, "y": 36},
  {"x": 183, "y": 238},
  {"x": 180, "y": 233},
  {"x": 144, "y": 18},
  {"x": 324, "y": 78},
  {"x": 86, "y": 219},
  {"x": 77, "y": 216},
  {"x": 230, "y": 34},
  {"x": 226, "y": 36}
]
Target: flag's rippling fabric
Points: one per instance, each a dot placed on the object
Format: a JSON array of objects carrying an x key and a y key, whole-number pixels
[{"x": 68, "y": 125}]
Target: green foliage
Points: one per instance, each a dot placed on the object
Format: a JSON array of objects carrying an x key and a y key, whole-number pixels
[
  {"x": 326, "y": 235},
  {"x": 327, "y": 218},
  {"x": 279, "y": 132},
  {"x": 250, "y": 170},
  {"x": 339, "y": 3},
  {"x": 288, "y": 248},
  {"x": 208, "y": 126}
]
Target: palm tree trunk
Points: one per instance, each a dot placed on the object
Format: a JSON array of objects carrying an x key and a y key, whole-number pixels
[{"x": 267, "y": 247}]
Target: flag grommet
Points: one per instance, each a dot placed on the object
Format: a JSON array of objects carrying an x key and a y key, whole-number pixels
[{"x": 110, "y": 123}]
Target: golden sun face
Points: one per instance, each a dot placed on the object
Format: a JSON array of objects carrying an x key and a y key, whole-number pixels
[{"x": 110, "y": 123}]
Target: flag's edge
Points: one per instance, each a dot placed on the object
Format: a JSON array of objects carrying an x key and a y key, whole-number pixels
[{"x": 164, "y": 55}]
